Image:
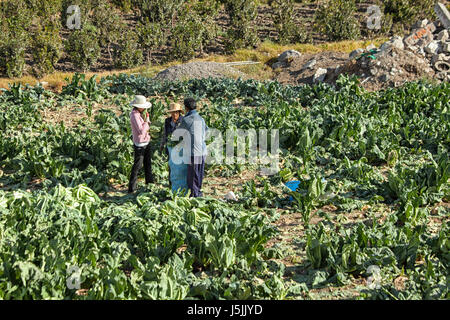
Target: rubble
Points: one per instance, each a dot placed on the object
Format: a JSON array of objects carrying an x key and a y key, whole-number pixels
[
  {"x": 432, "y": 47},
  {"x": 285, "y": 56},
  {"x": 393, "y": 42},
  {"x": 320, "y": 75},
  {"x": 423, "y": 53}
]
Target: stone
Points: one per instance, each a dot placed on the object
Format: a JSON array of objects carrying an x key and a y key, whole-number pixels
[
  {"x": 443, "y": 14},
  {"x": 231, "y": 196},
  {"x": 320, "y": 75},
  {"x": 420, "y": 24},
  {"x": 356, "y": 53},
  {"x": 370, "y": 47},
  {"x": 277, "y": 65},
  {"x": 396, "y": 42},
  {"x": 310, "y": 64},
  {"x": 373, "y": 72},
  {"x": 442, "y": 36},
  {"x": 288, "y": 54},
  {"x": 432, "y": 48}
]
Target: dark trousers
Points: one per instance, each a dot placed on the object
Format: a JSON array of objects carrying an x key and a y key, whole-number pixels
[
  {"x": 142, "y": 156},
  {"x": 195, "y": 174}
]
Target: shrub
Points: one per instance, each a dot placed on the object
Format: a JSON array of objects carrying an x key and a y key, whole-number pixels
[
  {"x": 151, "y": 36},
  {"x": 109, "y": 25},
  {"x": 196, "y": 26},
  {"x": 186, "y": 39},
  {"x": 336, "y": 18},
  {"x": 83, "y": 47},
  {"x": 408, "y": 11},
  {"x": 127, "y": 54},
  {"x": 14, "y": 39},
  {"x": 46, "y": 50},
  {"x": 124, "y": 5},
  {"x": 162, "y": 11},
  {"x": 242, "y": 16},
  {"x": 283, "y": 17}
]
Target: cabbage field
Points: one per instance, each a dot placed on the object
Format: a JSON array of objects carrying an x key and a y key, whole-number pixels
[{"x": 370, "y": 219}]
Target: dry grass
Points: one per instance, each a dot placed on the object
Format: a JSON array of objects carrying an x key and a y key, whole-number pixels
[{"x": 265, "y": 53}]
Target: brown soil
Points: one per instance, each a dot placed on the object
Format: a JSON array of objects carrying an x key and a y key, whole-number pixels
[{"x": 295, "y": 73}]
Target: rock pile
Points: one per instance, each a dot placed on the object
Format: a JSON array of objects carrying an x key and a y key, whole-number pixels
[{"x": 424, "y": 53}]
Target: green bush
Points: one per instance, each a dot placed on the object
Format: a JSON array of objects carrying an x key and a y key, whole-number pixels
[
  {"x": 124, "y": 5},
  {"x": 162, "y": 11},
  {"x": 83, "y": 47},
  {"x": 283, "y": 17},
  {"x": 46, "y": 48},
  {"x": 336, "y": 18},
  {"x": 127, "y": 54},
  {"x": 151, "y": 36},
  {"x": 196, "y": 26},
  {"x": 408, "y": 11},
  {"x": 242, "y": 17},
  {"x": 186, "y": 39},
  {"x": 109, "y": 25},
  {"x": 14, "y": 40}
]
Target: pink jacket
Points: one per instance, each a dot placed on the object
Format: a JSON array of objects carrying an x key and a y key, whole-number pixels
[{"x": 139, "y": 127}]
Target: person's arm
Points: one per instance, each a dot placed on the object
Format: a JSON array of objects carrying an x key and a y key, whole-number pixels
[
  {"x": 163, "y": 136},
  {"x": 139, "y": 123}
]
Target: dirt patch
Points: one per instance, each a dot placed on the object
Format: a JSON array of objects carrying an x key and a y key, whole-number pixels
[
  {"x": 298, "y": 72},
  {"x": 199, "y": 70},
  {"x": 70, "y": 115}
]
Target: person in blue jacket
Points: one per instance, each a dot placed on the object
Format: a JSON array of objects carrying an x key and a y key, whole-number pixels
[{"x": 196, "y": 127}]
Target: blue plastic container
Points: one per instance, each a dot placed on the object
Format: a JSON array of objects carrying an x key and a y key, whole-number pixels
[
  {"x": 178, "y": 173},
  {"x": 293, "y": 186}
]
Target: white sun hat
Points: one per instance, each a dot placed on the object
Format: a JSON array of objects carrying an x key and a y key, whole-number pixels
[{"x": 140, "y": 102}]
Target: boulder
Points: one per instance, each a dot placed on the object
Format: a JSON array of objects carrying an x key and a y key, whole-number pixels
[
  {"x": 356, "y": 53},
  {"x": 288, "y": 54},
  {"x": 311, "y": 63},
  {"x": 320, "y": 75},
  {"x": 396, "y": 42},
  {"x": 277, "y": 65}
]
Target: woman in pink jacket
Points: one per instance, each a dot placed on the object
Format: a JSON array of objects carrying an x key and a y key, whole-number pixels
[{"x": 140, "y": 125}]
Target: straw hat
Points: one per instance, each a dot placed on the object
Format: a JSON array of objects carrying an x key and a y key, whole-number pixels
[
  {"x": 174, "y": 107},
  {"x": 140, "y": 102}
]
